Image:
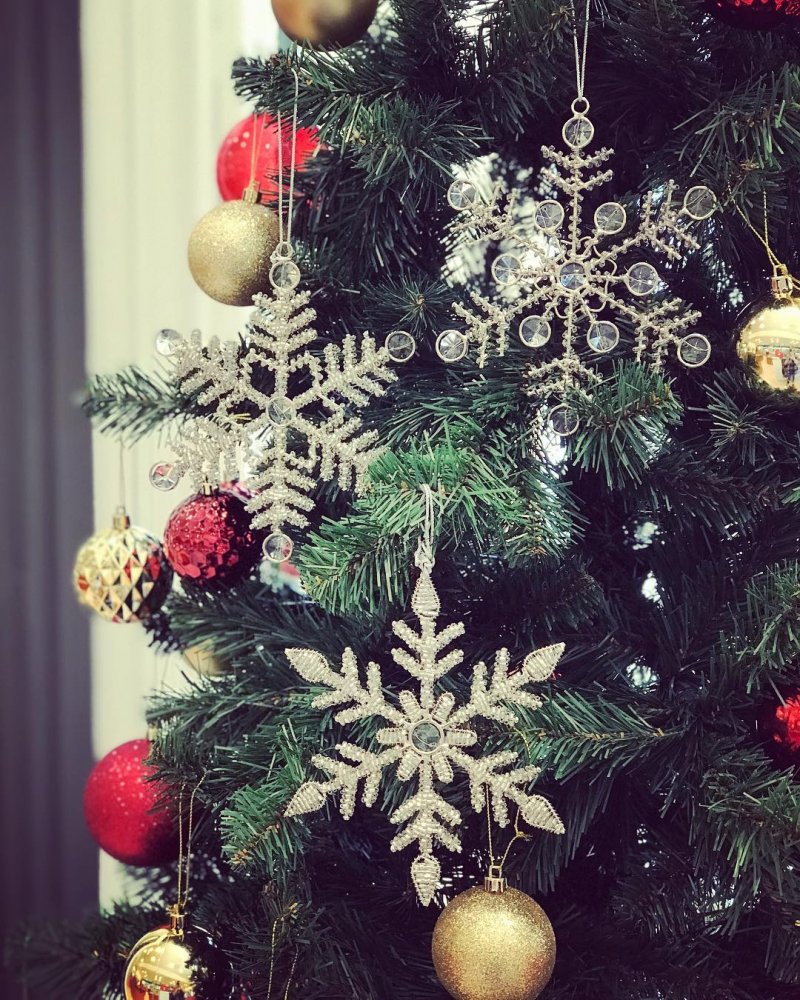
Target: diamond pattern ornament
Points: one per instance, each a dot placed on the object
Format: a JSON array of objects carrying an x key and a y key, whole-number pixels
[
  {"x": 562, "y": 278},
  {"x": 121, "y": 572},
  {"x": 426, "y": 736},
  {"x": 296, "y": 413}
]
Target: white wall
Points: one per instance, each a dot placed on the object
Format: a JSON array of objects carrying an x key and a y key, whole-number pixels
[{"x": 158, "y": 101}]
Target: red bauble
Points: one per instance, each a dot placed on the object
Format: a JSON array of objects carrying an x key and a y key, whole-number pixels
[
  {"x": 119, "y": 803},
  {"x": 787, "y": 724},
  {"x": 234, "y": 160},
  {"x": 756, "y": 15},
  {"x": 208, "y": 539}
]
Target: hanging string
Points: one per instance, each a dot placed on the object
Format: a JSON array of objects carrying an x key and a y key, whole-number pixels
[
  {"x": 275, "y": 923},
  {"x": 424, "y": 555},
  {"x": 285, "y": 230},
  {"x": 580, "y": 48},
  {"x": 778, "y": 267},
  {"x": 496, "y": 866},
  {"x": 122, "y": 490},
  {"x": 185, "y": 847}
]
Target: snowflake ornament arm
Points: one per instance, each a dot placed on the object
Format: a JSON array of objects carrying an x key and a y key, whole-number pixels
[
  {"x": 561, "y": 276},
  {"x": 426, "y": 736}
]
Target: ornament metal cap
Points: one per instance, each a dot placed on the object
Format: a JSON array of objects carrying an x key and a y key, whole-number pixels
[
  {"x": 494, "y": 881},
  {"x": 176, "y": 920},
  {"x": 121, "y": 519},
  {"x": 782, "y": 285},
  {"x": 251, "y": 194}
]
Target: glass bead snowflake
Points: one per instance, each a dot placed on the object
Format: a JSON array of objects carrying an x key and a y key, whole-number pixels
[
  {"x": 292, "y": 414},
  {"x": 557, "y": 277},
  {"x": 426, "y": 736}
]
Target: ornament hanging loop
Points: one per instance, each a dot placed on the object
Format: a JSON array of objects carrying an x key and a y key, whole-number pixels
[{"x": 580, "y": 107}]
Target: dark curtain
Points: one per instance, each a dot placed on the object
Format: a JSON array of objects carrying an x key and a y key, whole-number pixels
[{"x": 47, "y": 859}]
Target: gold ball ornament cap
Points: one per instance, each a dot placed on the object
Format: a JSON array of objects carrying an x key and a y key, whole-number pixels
[
  {"x": 230, "y": 250},
  {"x": 768, "y": 342},
  {"x": 493, "y": 943},
  {"x": 325, "y": 24},
  {"x": 122, "y": 572}
]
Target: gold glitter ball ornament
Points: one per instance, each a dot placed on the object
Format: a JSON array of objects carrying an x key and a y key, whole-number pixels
[
  {"x": 122, "y": 572},
  {"x": 493, "y": 943},
  {"x": 324, "y": 23},
  {"x": 230, "y": 250},
  {"x": 769, "y": 342}
]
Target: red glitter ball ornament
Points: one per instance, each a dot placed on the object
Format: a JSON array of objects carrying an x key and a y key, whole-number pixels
[
  {"x": 122, "y": 808},
  {"x": 208, "y": 539},
  {"x": 787, "y": 718},
  {"x": 756, "y": 15},
  {"x": 235, "y": 157}
]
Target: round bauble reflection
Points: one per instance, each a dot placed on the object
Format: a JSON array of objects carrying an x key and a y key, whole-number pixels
[{"x": 768, "y": 343}]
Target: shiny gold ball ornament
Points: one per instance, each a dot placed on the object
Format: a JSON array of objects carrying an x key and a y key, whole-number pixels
[
  {"x": 769, "y": 340},
  {"x": 325, "y": 24},
  {"x": 493, "y": 943},
  {"x": 161, "y": 965},
  {"x": 230, "y": 250},
  {"x": 122, "y": 572},
  {"x": 173, "y": 962}
]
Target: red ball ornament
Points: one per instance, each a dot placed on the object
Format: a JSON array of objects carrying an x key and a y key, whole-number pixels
[
  {"x": 208, "y": 539},
  {"x": 125, "y": 811},
  {"x": 235, "y": 157},
  {"x": 756, "y": 15},
  {"x": 787, "y": 724}
]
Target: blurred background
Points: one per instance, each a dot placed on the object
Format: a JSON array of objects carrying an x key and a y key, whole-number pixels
[{"x": 112, "y": 115}]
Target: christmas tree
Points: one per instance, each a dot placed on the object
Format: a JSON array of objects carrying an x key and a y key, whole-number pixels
[{"x": 558, "y": 479}]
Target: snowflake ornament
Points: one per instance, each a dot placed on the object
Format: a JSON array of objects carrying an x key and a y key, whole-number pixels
[
  {"x": 559, "y": 275},
  {"x": 426, "y": 736},
  {"x": 291, "y": 412}
]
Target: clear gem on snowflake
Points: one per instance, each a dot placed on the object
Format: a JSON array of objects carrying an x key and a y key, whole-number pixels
[
  {"x": 610, "y": 218},
  {"x": 694, "y": 350},
  {"x": 277, "y": 547},
  {"x": 603, "y": 336},
  {"x": 451, "y": 345},
  {"x": 294, "y": 413},
  {"x": 549, "y": 215},
  {"x": 578, "y": 132},
  {"x": 284, "y": 274},
  {"x": 164, "y": 476},
  {"x": 279, "y": 411},
  {"x": 534, "y": 331},
  {"x": 167, "y": 342},
  {"x": 564, "y": 420},
  {"x": 426, "y": 735},
  {"x": 506, "y": 269},
  {"x": 586, "y": 275},
  {"x": 400, "y": 345},
  {"x": 642, "y": 279},
  {"x": 699, "y": 202},
  {"x": 461, "y": 195}
]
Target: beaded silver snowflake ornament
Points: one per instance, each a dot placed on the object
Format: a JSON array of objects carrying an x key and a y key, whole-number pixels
[
  {"x": 555, "y": 274},
  {"x": 427, "y": 735}
]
